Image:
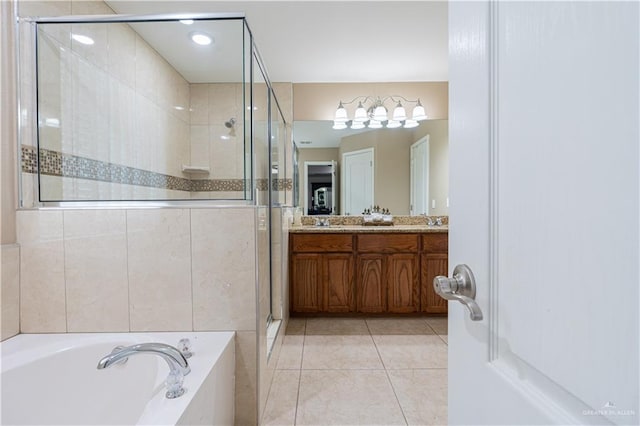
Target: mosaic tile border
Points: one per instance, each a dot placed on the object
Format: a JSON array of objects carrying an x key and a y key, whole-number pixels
[
  {"x": 282, "y": 184},
  {"x": 55, "y": 163}
]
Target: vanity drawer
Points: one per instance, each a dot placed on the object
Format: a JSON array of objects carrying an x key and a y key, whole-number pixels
[
  {"x": 387, "y": 243},
  {"x": 321, "y": 242},
  {"x": 435, "y": 243}
]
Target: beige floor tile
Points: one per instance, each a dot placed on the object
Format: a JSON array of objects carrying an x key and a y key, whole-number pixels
[
  {"x": 337, "y": 326},
  {"x": 347, "y": 397},
  {"x": 398, "y": 326},
  {"x": 340, "y": 352},
  {"x": 290, "y": 353},
  {"x": 283, "y": 398},
  {"x": 422, "y": 395},
  {"x": 296, "y": 326},
  {"x": 439, "y": 325},
  {"x": 399, "y": 352}
]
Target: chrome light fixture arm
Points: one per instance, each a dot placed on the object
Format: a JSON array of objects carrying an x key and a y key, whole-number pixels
[{"x": 377, "y": 113}]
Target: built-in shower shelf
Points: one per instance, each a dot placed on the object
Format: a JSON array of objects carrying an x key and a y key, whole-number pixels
[{"x": 196, "y": 170}]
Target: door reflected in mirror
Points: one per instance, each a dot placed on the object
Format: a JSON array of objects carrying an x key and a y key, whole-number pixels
[{"x": 319, "y": 187}]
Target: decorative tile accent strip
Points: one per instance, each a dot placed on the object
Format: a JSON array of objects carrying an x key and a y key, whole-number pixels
[
  {"x": 55, "y": 163},
  {"x": 282, "y": 184},
  {"x": 219, "y": 184},
  {"x": 262, "y": 184},
  {"x": 29, "y": 160}
]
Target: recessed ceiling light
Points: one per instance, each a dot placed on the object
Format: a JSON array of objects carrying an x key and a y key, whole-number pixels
[
  {"x": 305, "y": 142},
  {"x": 187, "y": 21},
  {"x": 82, "y": 39},
  {"x": 201, "y": 38}
]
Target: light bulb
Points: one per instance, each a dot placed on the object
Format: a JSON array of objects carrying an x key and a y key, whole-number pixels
[
  {"x": 360, "y": 114},
  {"x": 341, "y": 114},
  {"x": 380, "y": 113},
  {"x": 393, "y": 124},
  {"x": 339, "y": 125},
  {"x": 418, "y": 112},
  {"x": 399, "y": 113},
  {"x": 357, "y": 125}
]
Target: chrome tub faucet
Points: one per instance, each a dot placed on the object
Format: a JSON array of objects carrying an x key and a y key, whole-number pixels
[{"x": 178, "y": 365}]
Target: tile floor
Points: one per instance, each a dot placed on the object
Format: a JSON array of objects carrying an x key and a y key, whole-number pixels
[{"x": 353, "y": 371}]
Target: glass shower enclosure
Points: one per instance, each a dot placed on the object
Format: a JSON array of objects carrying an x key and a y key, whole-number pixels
[{"x": 161, "y": 110}]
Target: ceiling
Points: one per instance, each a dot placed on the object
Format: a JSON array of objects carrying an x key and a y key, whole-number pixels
[{"x": 332, "y": 41}]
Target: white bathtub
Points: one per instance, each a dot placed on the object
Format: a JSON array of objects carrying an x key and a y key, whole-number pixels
[{"x": 52, "y": 379}]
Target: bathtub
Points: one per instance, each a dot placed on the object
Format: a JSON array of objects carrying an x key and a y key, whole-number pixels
[{"x": 52, "y": 379}]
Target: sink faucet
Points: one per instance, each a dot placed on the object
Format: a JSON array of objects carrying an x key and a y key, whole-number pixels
[
  {"x": 178, "y": 365},
  {"x": 322, "y": 221}
]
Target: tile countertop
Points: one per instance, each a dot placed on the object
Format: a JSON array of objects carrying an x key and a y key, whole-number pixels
[{"x": 336, "y": 229}]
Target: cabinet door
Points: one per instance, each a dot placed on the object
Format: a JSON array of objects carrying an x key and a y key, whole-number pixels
[
  {"x": 338, "y": 283},
  {"x": 433, "y": 264},
  {"x": 306, "y": 291},
  {"x": 371, "y": 291},
  {"x": 402, "y": 282}
]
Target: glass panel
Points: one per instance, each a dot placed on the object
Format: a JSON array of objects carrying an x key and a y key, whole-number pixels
[
  {"x": 261, "y": 113},
  {"x": 140, "y": 111},
  {"x": 248, "y": 111}
]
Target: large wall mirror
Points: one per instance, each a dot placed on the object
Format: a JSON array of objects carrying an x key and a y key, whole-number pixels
[{"x": 402, "y": 159}]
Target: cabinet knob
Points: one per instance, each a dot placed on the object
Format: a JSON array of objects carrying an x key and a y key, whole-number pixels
[{"x": 461, "y": 287}]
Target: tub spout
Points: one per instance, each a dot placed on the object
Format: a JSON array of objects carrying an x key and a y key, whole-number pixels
[{"x": 178, "y": 364}]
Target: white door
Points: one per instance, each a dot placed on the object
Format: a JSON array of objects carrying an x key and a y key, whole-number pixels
[
  {"x": 419, "y": 160},
  {"x": 544, "y": 183},
  {"x": 334, "y": 188},
  {"x": 357, "y": 182}
]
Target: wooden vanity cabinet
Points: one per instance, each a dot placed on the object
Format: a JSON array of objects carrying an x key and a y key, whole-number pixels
[
  {"x": 322, "y": 275},
  {"x": 373, "y": 273},
  {"x": 387, "y": 273},
  {"x": 434, "y": 261}
]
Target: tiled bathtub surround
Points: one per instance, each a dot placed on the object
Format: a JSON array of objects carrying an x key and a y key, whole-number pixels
[
  {"x": 10, "y": 291},
  {"x": 142, "y": 270}
]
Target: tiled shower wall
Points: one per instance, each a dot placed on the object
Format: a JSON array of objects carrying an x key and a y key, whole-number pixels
[
  {"x": 144, "y": 270},
  {"x": 154, "y": 121},
  {"x": 211, "y": 143},
  {"x": 121, "y": 75}
]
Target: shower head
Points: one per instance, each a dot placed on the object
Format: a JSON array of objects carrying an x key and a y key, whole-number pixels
[{"x": 232, "y": 129}]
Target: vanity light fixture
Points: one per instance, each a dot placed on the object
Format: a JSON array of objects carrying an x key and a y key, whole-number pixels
[
  {"x": 377, "y": 114},
  {"x": 201, "y": 38},
  {"x": 82, "y": 39}
]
